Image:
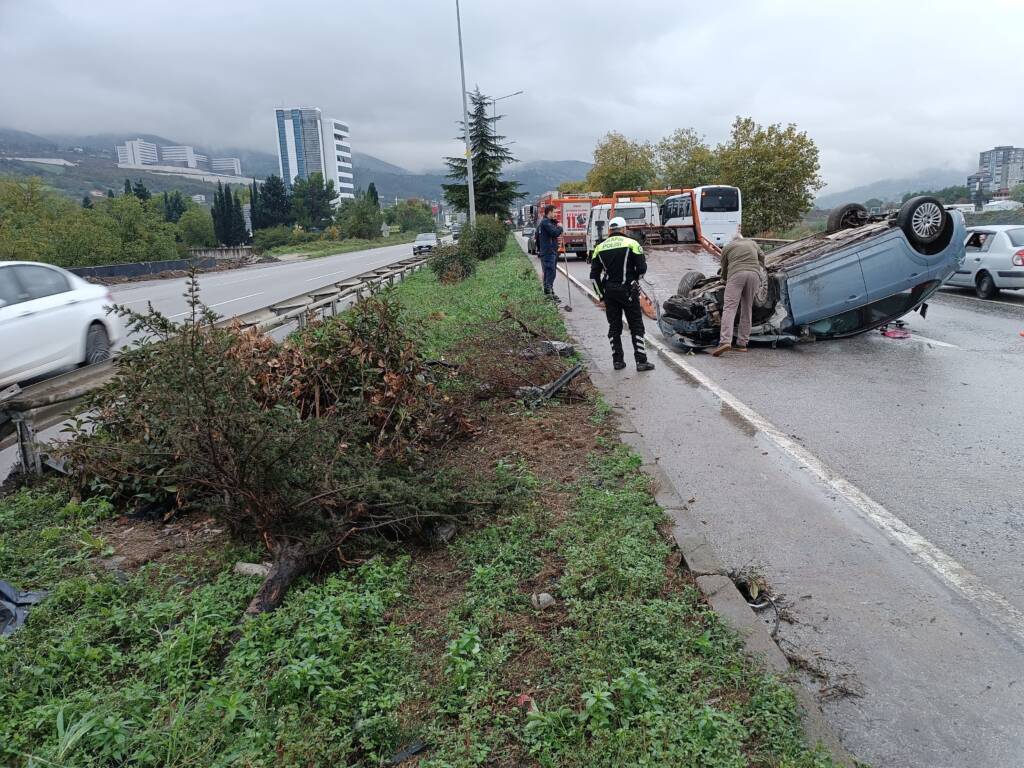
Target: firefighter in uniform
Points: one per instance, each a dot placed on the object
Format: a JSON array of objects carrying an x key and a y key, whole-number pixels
[{"x": 616, "y": 266}]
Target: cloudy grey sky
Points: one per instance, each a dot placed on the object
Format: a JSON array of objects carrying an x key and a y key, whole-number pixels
[{"x": 885, "y": 88}]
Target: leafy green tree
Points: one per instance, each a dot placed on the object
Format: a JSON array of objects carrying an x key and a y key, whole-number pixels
[
  {"x": 620, "y": 163},
  {"x": 275, "y": 204},
  {"x": 311, "y": 201},
  {"x": 958, "y": 193},
  {"x": 140, "y": 191},
  {"x": 86, "y": 201},
  {"x": 359, "y": 217},
  {"x": 371, "y": 194},
  {"x": 411, "y": 215},
  {"x": 196, "y": 228},
  {"x": 874, "y": 202},
  {"x": 1017, "y": 193},
  {"x": 685, "y": 160},
  {"x": 776, "y": 168},
  {"x": 490, "y": 156},
  {"x": 573, "y": 187}
]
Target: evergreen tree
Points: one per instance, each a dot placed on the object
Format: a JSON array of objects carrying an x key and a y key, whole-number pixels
[
  {"x": 86, "y": 201},
  {"x": 490, "y": 156},
  {"x": 371, "y": 194},
  {"x": 140, "y": 191},
  {"x": 311, "y": 201},
  {"x": 275, "y": 203},
  {"x": 174, "y": 206},
  {"x": 255, "y": 206},
  {"x": 127, "y": 187},
  {"x": 220, "y": 222},
  {"x": 110, "y": 193},
  {"x": 239, "y": 234}
]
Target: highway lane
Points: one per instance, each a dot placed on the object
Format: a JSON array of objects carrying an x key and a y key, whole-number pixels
[{"x": 925, "y": 428}]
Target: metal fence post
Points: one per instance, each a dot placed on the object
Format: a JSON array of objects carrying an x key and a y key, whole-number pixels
[{"x": 28, "y": 455}]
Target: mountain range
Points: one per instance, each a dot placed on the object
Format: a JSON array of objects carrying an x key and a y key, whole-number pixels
[{"x": 888, "y": 190}]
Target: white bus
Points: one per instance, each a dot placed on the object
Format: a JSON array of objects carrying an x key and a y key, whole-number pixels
[{"x": 719, "y": 214}]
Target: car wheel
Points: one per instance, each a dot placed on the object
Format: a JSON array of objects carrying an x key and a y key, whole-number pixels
[
  {"x": 687, "y": 282},
  {"x": 97, "y": 344},
  {"x": 922, "y": 219},
  {"x": 985, "y": 286},
  {"x": 847, "y": 216}
]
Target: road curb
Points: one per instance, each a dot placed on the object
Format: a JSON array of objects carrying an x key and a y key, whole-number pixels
[{"x": 718, "y": 588}]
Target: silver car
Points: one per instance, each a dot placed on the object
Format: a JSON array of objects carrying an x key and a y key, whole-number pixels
[{"x": 995, "y": 260}]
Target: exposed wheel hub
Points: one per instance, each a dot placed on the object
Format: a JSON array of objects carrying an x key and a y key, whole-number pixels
[{"x": 927, "y": 220}]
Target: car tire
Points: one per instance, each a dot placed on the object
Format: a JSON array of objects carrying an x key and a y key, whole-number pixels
[
  {"x": 985, "y": 286},
  {"x": 923, "y": 220},
  {"x": 687, "y": 281},
  {"x": 97, "y": 344},
  {"x": 849, "y": 216}
]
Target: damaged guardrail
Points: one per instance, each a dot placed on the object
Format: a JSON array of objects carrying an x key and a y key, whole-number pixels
[{"x": 26, "y": 412}]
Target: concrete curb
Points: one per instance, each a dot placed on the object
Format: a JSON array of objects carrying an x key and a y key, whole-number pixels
[{"x": 714, "y": 583}]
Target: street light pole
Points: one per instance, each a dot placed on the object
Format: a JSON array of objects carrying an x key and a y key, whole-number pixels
[
  {"x": 494, "y": 106},
  {"x": 465, "y": 124}
]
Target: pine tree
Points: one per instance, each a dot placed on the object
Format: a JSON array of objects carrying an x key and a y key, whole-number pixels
[
  {"x": 127, "y": 187},
  {"x": 217, "y": 211},
  {"x": 167, "y": 207},
  {"x": 140, "y": 191},
  {"x": 239, "y": 234},
  {"x": 86, "y": 201},
  {"x": 490, "y": 156},
  {"x": 275, "y": 203},
  {"x": 371, "y": 194},
  {"x": 255, "y": 206}
]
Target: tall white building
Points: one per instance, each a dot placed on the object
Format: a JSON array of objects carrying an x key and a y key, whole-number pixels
[
  {"x": 137, "y": 152},
  {"x": 184, "y": 155},
  {"x": 232, "y": 166},
  {"x": 308, "y": 144}
]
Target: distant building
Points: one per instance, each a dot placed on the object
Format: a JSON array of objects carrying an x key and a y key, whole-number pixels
[
  {"x": 232, "y": 166},
  {"x": 184, "y": 156},
  {"x": 137, "y": 152},
  {"x": 1000, "y": 169},
  {"x": 308, "y": 144},
  {"x": 201, "y": 199},
  {"x": 1002, "y": 205}
]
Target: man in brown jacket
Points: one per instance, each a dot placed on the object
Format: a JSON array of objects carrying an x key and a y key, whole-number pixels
[{"x": 742, "y": 260}]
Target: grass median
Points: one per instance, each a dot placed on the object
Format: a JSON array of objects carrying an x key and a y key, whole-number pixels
[
  {"x": 556, "y": 630},
  {"x": 318, "y": 248}
]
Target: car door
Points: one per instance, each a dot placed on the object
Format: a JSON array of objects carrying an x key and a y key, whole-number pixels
[
  {"x": 17, "y": 346},
  {"x": 891, "y": 266},
  {"x": 825, "y": 287},
  {"x": 53, "y": 315},
  {"x": 978, "y": 245}
]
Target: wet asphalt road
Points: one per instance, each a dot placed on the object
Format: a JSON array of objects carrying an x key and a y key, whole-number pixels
[{"x": 910, "y": 671}]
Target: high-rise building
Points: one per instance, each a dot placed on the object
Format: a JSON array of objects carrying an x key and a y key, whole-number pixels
[
  {"x": 232, "y": 166},
  {"x": 339, "y": 157},
  {"x": 137, "y": 152},
  {"x": 308, "y": 144},
  {"x": 1000, "y": 169}
]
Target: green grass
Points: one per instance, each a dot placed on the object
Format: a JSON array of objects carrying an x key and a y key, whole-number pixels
[
  {"x": 333, "y": 247},
  {"x": 152, "y": 668}
]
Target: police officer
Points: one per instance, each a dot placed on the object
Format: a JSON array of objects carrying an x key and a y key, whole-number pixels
[{"x": 616, "y": 266}]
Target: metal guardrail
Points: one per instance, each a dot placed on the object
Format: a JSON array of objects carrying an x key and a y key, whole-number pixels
[{"x": 25, "y": 412}]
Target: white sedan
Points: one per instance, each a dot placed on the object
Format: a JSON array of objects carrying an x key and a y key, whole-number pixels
[
  {"x": 995, "y": 260},
  {"x": 51, "y": 319}
]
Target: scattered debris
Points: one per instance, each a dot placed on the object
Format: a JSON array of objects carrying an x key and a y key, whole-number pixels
[
  {"x": 413, "y": 749},
  {"x": 536, "y": 395},
  {"x": 252, "y": 569},
  {"x": 547, "y": 347},
  {"x": 14, "y": 606},
  {"x": 541, "y": 600},
  {"x": 895, "y": 330},
  {"x": 443, "y": 532}
]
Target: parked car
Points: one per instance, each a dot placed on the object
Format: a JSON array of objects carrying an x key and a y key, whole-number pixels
[
  {"x": 530, "y": 235},
  {"x": 51, "y": 319},
  {"x": 424, "y": 243},
  {"x": 995, "y": 260},
  {"x": 456, "y": 231},
  {"x": 864, "y": 272}
]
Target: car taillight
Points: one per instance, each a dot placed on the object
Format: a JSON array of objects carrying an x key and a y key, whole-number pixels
[{"x": 1018, "y": 258}]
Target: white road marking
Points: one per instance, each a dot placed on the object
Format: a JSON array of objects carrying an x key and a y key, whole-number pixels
[
  {"x": 968, "y": 297},
  {"x": 218, "y": 304},
  {"x": 951, "y": 572},
  {"x": 926, "y": 340}
]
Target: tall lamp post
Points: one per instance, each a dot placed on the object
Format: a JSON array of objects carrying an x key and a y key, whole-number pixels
[
  {"x": 494, "y": 108},
  {"x": 465, "y": 125}
]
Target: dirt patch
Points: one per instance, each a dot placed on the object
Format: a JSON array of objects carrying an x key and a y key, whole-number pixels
[{"x": 138, "y": 542}]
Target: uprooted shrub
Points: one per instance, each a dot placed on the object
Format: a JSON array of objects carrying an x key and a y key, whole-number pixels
[
  {"x": 452, "y": 263},
  {"x": 304, "y": 445}
]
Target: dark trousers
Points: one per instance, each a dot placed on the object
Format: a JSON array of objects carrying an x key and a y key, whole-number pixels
[
  {"x": 622, "y": 300},
  {"x": 548, "y": 261}
]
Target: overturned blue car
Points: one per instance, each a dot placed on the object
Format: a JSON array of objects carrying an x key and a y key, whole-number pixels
[{"x": 864, "y": 271}]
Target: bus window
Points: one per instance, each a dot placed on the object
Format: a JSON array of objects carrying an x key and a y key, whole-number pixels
[{"x": 719, "y": 200}]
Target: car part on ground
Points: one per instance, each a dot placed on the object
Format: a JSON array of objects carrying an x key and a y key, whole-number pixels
[{"x": 871, "y": 270}]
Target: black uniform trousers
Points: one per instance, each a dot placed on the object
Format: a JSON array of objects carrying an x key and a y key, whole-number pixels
[{"x": 622, "y": 300}]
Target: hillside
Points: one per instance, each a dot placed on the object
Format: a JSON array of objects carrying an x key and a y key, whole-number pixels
[{"x": 894, "y": 189}]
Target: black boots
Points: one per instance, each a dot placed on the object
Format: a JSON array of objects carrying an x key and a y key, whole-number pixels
[
  {"x": 618, "y": 364},
  {"x": 644, "y": 366}
]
